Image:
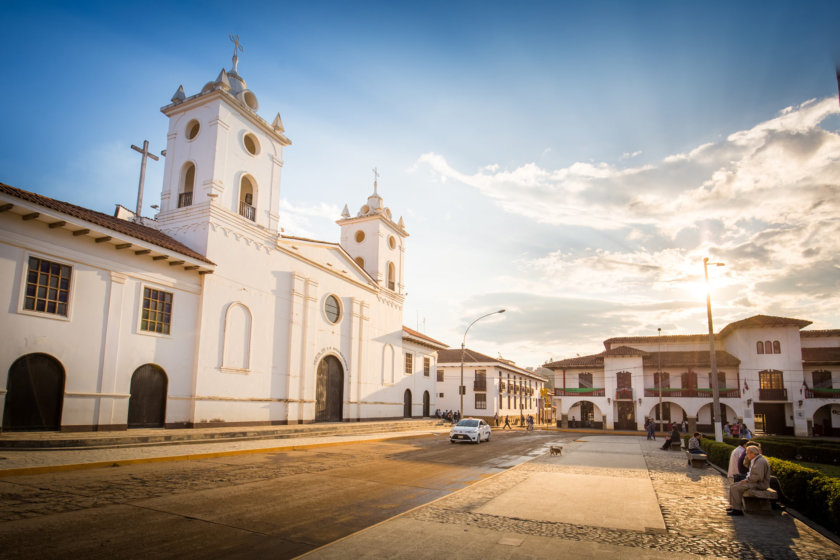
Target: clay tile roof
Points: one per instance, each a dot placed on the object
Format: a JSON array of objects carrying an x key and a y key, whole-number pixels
[
  {"x": 817, "y": 333},
  {"x": 820, "y": 356},
  {"x": 593, "y": 360},
  {"x": 411, "y": 333},
  {"x": 697, "y": 358},
  {"x": 761, "y": 321},
  {"x": 453, "y": 356},
  {"x": 624, "y": 351},
  {"x": 656, "y": 338},
  {"x": 131, "y": 229}
]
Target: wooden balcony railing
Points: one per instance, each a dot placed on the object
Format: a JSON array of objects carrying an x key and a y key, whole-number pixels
[
  {"x": 822, "y": 393},
  {"x": 579, "y": 392},
  {"x": 678, "y": 392},
  {"x": 772, "y": 394},
  {"x": 624, "y": 393},
  {"x": 185, "y": 199},
  {"x": 247, "y": 211}
]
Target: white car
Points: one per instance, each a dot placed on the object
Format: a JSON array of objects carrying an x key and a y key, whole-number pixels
[{"x": 470, "y": 429}]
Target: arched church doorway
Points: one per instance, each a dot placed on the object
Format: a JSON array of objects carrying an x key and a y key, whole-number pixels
[
  {"x": 147, "y": 404},
  {"x": 407, "y": 404},
  {"x": 426, "y": 404},
  {"x": 34, "y": 394},
  {"x": 329, "y": 390}
]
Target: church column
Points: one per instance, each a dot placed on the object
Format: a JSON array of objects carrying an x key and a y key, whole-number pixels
[
  {"x": 170, "y": 175},
  {"x": 213, "y": 183},
  {"x": 294, "y": 371},
  {"x": 308, "y": 370},
  {"x": 357, "y": 338},
  {"x": 105, "y": 409}
]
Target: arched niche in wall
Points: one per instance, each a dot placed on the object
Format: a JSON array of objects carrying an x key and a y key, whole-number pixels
[{"x": 236, "y": 353}]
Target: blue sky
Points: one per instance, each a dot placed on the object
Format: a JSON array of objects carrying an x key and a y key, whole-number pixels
[{"x": 570, "y": 162}]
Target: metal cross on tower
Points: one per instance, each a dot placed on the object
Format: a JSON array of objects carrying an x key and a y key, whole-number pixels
[
  {"x": 146, "y": 154},
  {"x": 375, "y": 180},
  {"x": 236, "y": 47}
]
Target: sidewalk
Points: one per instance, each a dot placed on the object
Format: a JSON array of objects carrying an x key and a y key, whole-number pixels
[
  {"x": 605, "y": 496},
  {"x": 29, "y": 461}
]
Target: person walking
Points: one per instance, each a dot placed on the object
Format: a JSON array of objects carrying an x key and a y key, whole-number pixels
[
  {"x": 496, "y": 418},
  {"x": 507, "y": 424}
]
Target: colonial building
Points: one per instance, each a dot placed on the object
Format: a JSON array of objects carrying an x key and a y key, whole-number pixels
[
  {"x": 492, "y": 386},
  {"x": 207, "y": 314},
  {"x": 772, "y": 375}
]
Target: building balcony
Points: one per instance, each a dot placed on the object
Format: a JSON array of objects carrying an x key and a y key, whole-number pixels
[
  {"x": 822, "y": 393},
  {"x": 185, "y": 199},
  {"x": 678, "y": 392},
  {"x": 772, "y": 395},
  {"x": 624, "y": 394},
  {"x": 580, "y": 392},
  {"x": 480, "y": 386},
  {"x": 247, "y": 211}
]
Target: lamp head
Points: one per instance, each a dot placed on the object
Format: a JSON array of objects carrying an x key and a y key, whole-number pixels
[{"x": 500, "y": 311}]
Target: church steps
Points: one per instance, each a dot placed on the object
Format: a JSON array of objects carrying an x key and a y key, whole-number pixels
[{"x": 163, "y": 436}]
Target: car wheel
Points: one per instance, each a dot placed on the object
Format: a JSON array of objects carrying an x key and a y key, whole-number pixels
[
  {"x": 488, "y": 437},
  {"x": 451, "y": 441}
]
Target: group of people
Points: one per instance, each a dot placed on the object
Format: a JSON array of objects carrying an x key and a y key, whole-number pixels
[
  {"x": 737, "y": 429},
  {"x": 748, "y": 469},
  {"x": 528, "y": 422},
  {"x": 449, "y": 415},
  {"x": 650, "y": 428}
]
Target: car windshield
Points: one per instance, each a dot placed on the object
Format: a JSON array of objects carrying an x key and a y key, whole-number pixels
[{"x": 468, "y": 423}]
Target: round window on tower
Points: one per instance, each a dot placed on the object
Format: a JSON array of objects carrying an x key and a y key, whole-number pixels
[
  {"x": 392, "y": 242},
  {"x": 332, "y": 309},
  {"x": 252, "y": 145},
  {"x": 192, "y": 129},
  {"x": 360, "y": 236}
]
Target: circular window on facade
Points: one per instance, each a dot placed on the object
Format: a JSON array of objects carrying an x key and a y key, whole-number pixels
[
  {"x": 360, "y": 236},
  {"x": 252, "y": 146},
  {"x": 332, "y": 308},
  {"x": 392, "y": 242},
  {"x": 192, "y": 129}
]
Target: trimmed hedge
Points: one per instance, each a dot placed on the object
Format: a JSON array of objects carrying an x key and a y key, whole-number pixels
[
  {"x": 813, "y": 494},
  {"x": 827, "y": 453}
]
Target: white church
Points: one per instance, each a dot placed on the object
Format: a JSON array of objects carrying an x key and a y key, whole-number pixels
[{"x": 208, "y": 314}]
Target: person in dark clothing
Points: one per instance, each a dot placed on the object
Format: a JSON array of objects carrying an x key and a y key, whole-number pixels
[
  {"x": 675, "y": 436},
  {"x": 507, "y": 424}
]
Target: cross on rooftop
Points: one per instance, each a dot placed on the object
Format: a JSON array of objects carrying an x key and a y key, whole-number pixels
[
  {"x": 146, "y": 154},
  {"x": 236, "y": 47}
]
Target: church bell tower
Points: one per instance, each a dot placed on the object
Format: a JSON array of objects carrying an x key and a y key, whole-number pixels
[
  {"x": 375, "y": 241},
  {"x": 222, "y": 158}
]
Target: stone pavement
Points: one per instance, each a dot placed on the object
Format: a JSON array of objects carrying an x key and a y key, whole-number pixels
[{"x": 649, "y": 504}]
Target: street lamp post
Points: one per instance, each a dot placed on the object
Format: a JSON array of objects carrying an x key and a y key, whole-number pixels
[
  {"x": 462, "y": 389},
  {"x": 659, "y": 357},
  {"x": 716, "y": 421}
]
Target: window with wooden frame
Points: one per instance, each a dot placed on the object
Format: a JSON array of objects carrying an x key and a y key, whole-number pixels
[
  {"x": 409, "y": 363},
  {"x": 157, "y": 311},
  {"x": 47, "y": 287}
]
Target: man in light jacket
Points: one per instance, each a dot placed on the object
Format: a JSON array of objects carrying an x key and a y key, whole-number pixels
[
  {"x": 737, "y": 471},
  {"x": 758, "y": 478}
]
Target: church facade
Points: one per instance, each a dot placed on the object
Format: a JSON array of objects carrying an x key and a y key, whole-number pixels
[{"x": 207, "y": 314}]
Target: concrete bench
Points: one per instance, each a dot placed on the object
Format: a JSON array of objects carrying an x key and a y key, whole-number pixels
[
  {"x": 758, "y": 500},
  {"x": 696, "y": 459},
  {"x": 676, "y": 445}
]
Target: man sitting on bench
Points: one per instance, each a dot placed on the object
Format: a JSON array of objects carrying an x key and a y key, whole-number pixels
[
  {"x": 758, "y": 478},
  {"x": 694, "y": 444}
]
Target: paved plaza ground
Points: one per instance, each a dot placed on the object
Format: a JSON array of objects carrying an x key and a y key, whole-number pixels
[
  {"x": 610, "y": 495},
  {"x": 617, "y": 496}
]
